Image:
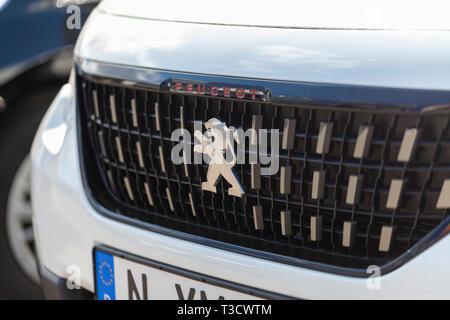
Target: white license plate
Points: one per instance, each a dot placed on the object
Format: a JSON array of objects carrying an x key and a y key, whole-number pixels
[{"x": 119, "y": 278}]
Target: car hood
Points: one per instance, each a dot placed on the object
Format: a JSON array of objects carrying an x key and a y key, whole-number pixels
[{"x": 318, "y": 14}]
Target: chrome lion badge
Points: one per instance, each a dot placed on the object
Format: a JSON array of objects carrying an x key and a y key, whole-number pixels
[{"x": 217, "y": 140}]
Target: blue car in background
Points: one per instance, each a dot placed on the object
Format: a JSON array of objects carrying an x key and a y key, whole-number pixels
[{"x": 37, "y": 38}]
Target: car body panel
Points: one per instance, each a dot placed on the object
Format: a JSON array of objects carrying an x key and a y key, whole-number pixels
[
  {"x": 280, "y": 92},
  {"x": 68, "y": 227},
  {"x": 294, "y": 94},
  {"x": 319, "y": 14},
  {"x": 396, "y": 59}
]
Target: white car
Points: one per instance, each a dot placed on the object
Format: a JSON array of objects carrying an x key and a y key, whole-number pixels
[{"x": 349, "y": 201}]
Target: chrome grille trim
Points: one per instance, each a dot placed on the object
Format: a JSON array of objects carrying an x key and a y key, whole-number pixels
[{"x": 360, "y": 166}]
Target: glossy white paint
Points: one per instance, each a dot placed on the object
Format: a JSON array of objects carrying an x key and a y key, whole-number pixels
[
  {"x": 67, "y": 228},
  {"x": 388, "y": 58},
  {"x": 354, "y": 14}
]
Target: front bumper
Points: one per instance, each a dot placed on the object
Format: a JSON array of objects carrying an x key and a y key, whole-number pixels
[
  {"x": 55, "y": 288},
  {"x": 67, "y": 228}
]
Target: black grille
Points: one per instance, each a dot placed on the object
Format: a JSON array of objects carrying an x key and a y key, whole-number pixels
[{"x": 229, "y": 219}]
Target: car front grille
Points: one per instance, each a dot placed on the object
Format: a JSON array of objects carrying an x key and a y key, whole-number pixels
[{"x": 129, "y": 172}]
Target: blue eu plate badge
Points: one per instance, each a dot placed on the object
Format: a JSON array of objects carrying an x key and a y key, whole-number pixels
[
  {"x": 120, "y": 278},
  {"x": 105, "y": 276}
]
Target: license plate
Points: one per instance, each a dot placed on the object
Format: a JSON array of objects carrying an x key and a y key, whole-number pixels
[{"x": 125, "y": 277}]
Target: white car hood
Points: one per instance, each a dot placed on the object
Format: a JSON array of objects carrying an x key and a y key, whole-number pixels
[{"x": 321, "y": 14}]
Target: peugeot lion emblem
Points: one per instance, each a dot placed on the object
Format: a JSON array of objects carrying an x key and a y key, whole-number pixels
[{"x": 215, "y": 143}]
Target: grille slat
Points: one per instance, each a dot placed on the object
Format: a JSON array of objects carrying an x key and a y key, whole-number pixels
[
  {"x": 143, "y": 120},
  {"x": 425, "y": 185}
]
